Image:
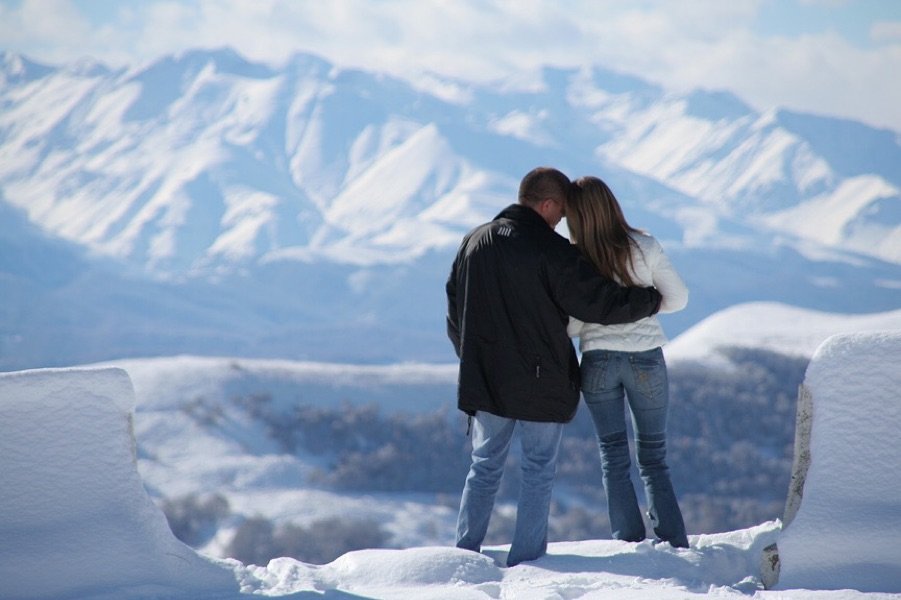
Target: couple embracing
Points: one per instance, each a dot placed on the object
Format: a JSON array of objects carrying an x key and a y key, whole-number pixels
[{"x": 516, "y": 293}]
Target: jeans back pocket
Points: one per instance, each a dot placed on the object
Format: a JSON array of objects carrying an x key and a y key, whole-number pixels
[{"x": 594, "y": 370}]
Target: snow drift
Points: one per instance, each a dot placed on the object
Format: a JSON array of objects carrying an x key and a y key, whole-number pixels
[
  {"x": 75, "y": 521},
  {"x": 846, "y": 530}
]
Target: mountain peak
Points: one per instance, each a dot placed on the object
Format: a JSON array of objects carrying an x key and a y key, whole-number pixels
[
  {"x": 189, "y": 62},
  {"x": 88, "y": 67},
  {"x": 304, "y": 62},
  {"x": 717, "y": 105},
  {"x": 16, "y": 68},
  {"x": 619, "y": 82}
]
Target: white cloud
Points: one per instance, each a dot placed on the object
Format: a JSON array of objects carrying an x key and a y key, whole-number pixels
[
  {"x": 684, "y": 45},
  {"x": 886, "y": 32},
  {"x": 824, "y": 3},
  {"x": 41, "y": 22}
]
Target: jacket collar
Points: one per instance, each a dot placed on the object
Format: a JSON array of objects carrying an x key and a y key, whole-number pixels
[{"x": 523, "y": 214}]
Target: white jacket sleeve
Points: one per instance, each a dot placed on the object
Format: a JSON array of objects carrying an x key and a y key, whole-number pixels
[{"x": 668, "y": 282}]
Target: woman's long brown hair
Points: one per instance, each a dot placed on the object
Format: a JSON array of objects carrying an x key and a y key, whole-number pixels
[{"x": 597, "y": 226}]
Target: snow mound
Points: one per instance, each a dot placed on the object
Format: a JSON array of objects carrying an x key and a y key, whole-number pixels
[
  {"x": 772, "y": 326},
  {"x": 846, "y": 531},
  {"x": 416, "y": 566},
  {"x": 75, "y": 520},
  {"x": 724, "y": 565}
]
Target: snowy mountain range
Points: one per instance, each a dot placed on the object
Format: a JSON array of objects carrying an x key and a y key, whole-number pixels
[{"x": 210, "y": 205}]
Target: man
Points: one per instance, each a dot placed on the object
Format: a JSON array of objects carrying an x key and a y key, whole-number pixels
[{"x": 513, "y": 285}]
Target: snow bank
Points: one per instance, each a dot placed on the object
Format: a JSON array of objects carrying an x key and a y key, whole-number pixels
[
  {"x": 75, "y": 520},
  {"x": 772, "y": 326},
  {"x": 847, "y": 529}
]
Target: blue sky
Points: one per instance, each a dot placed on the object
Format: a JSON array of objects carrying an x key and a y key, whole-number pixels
[
  {"x": 852, "y": 20},
  {"x": 832, "y": 57}
]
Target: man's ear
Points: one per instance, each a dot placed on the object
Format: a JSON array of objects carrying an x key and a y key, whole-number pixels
[{"x": 544, "y": 206}]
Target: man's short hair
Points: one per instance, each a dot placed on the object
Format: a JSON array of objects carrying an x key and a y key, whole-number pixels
[{"x": 541, "y": 183}]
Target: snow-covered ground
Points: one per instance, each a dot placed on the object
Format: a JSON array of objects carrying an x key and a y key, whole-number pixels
[{"x": 76, "y": 522}]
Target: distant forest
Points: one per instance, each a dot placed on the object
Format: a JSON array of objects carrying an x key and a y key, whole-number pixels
[{"x": 730, "y": 446}]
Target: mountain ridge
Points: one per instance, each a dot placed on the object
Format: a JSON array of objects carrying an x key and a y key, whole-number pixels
[{"x": 221, "y": 114}]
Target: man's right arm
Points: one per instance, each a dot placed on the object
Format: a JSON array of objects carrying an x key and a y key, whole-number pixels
[{"x": 587, "y": 295}]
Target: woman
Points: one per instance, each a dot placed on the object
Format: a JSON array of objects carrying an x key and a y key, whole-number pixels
[{"x": 626, "y": 361}]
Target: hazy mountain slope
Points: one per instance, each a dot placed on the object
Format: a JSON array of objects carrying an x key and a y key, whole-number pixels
[
  {"x": 62, "y": 306},
  {"x": 164, "y": 383}
]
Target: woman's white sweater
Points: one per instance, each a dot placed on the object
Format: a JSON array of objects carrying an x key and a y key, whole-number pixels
[{"x": 650, "y": 267}]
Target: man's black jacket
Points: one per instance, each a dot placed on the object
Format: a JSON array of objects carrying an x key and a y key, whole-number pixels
[{"x": 511, "y": 289}]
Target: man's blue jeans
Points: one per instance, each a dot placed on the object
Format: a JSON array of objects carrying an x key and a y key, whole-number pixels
[
  {"x": 608, "y": 378},
  {"x": 491, "y": 437}
]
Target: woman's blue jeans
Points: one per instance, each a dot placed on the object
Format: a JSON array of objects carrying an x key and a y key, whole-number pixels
[
  {"x": 491, "y": 437},
  {"x": 608, "y": 379}
]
